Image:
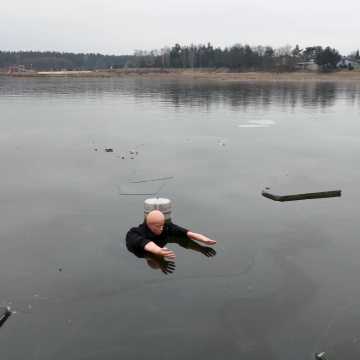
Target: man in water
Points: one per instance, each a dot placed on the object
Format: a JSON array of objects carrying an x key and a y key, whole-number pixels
[{"x": 152, "y": 236}]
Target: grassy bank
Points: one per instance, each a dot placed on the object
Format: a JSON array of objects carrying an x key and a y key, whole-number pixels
[{"x": 201, "y": 74}]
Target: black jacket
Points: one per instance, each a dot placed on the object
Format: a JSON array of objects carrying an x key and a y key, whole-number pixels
[{"x": 138, "y": 237}]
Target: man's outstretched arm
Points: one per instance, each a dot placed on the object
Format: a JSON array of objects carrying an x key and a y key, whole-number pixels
[
  {"x": 199, "y": 237},
  {"x": 151, "y": 247}
]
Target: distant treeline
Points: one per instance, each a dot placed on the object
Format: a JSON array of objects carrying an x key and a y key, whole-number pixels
[
  {"x": 238, "y": 57},
  {"x": 48, "y": 60}
]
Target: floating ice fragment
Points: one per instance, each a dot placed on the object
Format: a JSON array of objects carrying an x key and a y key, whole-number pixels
[
  {"x": 257, "y": 124},
  {"x": 262, "y": 122},
  {"x": 320, "y": 356},
  {"x": 300, "y": 196},
  {"x": 252, "y": 126}
]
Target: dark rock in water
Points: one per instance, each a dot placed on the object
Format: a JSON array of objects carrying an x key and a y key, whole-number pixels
[
  {"x": 109, "y": 150},
  {"x": 123, "y": 157},
  {"x": 5, "y": 313},
  {"x": 60, "y": 269},
  {"x": 95, "y": 149}
]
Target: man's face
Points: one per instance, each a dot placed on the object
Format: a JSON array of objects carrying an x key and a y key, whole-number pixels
[{"x": 156, "y": 226}]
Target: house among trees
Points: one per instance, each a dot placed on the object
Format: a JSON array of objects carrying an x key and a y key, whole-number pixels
[
  {"x": 348, "y": 63},
  {"x": 16, "y": 69},
  {"x": 307, "y": 66}
]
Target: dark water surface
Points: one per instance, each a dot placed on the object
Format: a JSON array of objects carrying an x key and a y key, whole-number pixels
[{"x": 284, "y": 283}]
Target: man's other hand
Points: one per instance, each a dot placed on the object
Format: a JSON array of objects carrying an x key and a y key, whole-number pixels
[
  {"x": 208, "y": 241},
  {"x": 200, "y": 237}
]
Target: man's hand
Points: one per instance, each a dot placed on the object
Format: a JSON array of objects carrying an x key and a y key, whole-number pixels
[
  {"x": 157, "y": 250},
  {"x": 167, "y": 253}
]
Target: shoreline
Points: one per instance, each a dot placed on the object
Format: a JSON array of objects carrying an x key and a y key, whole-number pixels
[{"x": 222, "y": 75}]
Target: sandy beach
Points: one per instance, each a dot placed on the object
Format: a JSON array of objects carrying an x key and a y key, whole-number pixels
[{"x": 199, "y": 74}]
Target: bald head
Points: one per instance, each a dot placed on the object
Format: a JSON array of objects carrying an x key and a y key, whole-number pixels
[{"x": 155, "y": 221}]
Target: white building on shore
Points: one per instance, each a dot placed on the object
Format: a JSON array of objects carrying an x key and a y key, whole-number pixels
[
  {"x": 307, "y": 66},
  {"x": 348, "y": 63}
]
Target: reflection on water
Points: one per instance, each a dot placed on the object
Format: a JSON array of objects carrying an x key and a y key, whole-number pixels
[
  {"x": 192, "y": 93},
  {"x": 156, "y": 262},
  {"x": 168, "y": 266}
]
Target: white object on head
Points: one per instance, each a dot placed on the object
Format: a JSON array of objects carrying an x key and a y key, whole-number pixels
[{"x": 162, "y": 204}]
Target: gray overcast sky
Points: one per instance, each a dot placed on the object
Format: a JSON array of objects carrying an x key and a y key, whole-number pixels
[{"x": 119, "y": 27}]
